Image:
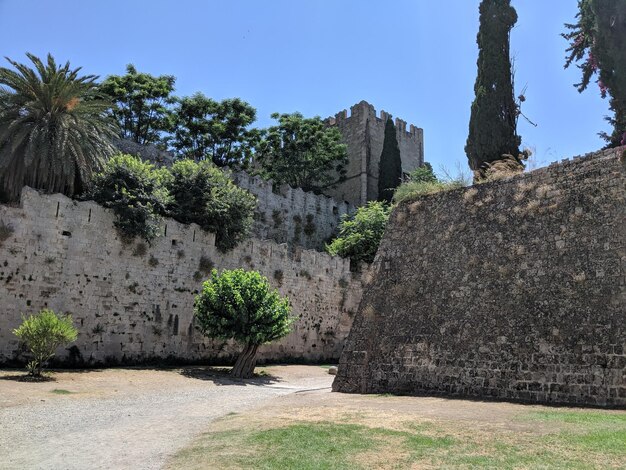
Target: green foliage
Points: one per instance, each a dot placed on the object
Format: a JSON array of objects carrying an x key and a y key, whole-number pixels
[
  {"x": 241, "y": 305},
  {"x": 205, "y": 129},
  {"x": 143, "y": 104},
  {"x": 423, "y": 174},
  {"x": 494, "y": 113},
  {"x": 54, "y": 129},
  {"x": 135, "y": 190},
  {"x": 302, "y": 152},
  {"x": 424, "y": 181},
  {"x": 390, "y": 167},
  {"x": 360, "y": 234},
  {"x": 43, "y": 334},
  {"x": 598, "y": 39},
  {"x": 205, "y": 195}
]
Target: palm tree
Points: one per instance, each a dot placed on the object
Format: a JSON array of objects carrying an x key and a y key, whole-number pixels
[{"x": 54, "y": 128}]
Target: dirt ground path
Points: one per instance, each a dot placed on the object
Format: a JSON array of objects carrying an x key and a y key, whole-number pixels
[{"x": 127, "y": 418}]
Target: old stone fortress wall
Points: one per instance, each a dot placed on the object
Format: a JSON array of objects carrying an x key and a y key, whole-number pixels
[
  {"x": 514, "y": 289},
  {"x": 135, "y": 303}
]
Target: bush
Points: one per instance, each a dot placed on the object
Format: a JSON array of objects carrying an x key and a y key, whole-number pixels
[
  {"x": 360, "y": 234},
  {"x": 205, "y": 195},
  {"x": 424, "y": 181},
  {"x": 135, "y": 190},
  {"x": 43, "y": 333},
  {"x": 240, "y": 305}
]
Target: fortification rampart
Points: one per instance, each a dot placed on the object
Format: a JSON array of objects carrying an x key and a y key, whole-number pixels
[
  {"x": 293, "y": 216},
  {"x": 514, "y": 290},
  {"x": 134, "y": 303}
]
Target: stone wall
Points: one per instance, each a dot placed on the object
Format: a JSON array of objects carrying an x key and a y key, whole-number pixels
[
  {"x": 513, "y": 290},
  {"x": 135, "y": 303},
  {"x": 364, "y": 133},
  {"x": 293, "y": 216}
]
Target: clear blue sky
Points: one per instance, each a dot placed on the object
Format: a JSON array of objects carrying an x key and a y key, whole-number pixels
[{"x": 413, "y": 58}]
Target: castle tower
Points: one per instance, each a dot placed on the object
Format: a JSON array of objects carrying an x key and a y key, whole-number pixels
[{"x": 364, "y": 133}]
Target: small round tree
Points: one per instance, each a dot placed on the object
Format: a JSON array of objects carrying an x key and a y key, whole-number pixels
[
  {"x": 241, "y": 305},
  {"x": 43, "y": 333}
]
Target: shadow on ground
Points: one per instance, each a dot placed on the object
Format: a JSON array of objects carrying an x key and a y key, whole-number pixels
[
  {"x": 28, "y": 378},
  {"x": 220, "y": 376}
]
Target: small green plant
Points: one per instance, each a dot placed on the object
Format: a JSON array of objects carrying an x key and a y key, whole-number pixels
[
  {"x": 98, "y": 329},
  {"x": 153, "y": 261},
  {"x": 156, "y": 331},
  {"x": 277, "y": 217},
  {"x": 205, "y": 265},
  {"x": 5, "y": 232},
  {"x": 180, "y": 254},
  {"x": 304, "y": 273},
  {"x": 61, "y": 391},
  {"x": 309, "y": 227},
  {"x": 43, "y": 334},
  {"x": 241, "y": 305},
  {"x": 197, "y": 276},
  {"x": 278, "y": 276},
  {"x": 423, "y": 181},
  {"x": 49, "y": 259},
  {"x": 140, "y": 249}
]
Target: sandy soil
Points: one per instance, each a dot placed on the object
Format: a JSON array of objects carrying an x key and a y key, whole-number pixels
[{"x": 127, "y": 418}]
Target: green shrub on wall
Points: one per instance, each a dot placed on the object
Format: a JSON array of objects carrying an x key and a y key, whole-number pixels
[
  {"x": 205, "y": 195},
  {"x": 360, "y": 234},
  {"x": 135, "y": 190}
]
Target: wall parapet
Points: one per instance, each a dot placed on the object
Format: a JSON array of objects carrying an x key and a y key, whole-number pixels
[{"x": 134, "y": 302}]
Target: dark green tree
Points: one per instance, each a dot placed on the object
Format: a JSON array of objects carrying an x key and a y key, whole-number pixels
[
  {"x": 494, "y": 113},
  {"x": 241, "y": 305},
  {"x": 390, "y": 166},
  {"x": 302, "y": 152},
  {"x": 54, "y": 128},
  {"x": 143, "y": 104},
  {"x": 205, "y": 129},
  {"x": 598, "y": 40},
  {"x": 205, "y": 195}
]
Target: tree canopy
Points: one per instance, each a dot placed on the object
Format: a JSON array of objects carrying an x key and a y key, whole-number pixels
[
  {"x": 205, "y": 129},
  {"x": 54, "y": 130},
  {"x": 494, "y": 113},
  {"x": 302, "y": 152},
  {"x": 142, "y": 104},
  {"x": 241, "y": 305},
  {"x": 598, "y": 41}
]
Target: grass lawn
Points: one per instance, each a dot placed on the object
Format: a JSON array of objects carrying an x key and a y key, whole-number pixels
[{"x": 564, "y": 439}]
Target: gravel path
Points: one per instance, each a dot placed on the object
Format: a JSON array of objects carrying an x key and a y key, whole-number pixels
[{"x": 134, "y": 431}]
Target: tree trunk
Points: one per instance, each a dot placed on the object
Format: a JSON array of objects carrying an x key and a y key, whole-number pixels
[{"x": 244, "y": 367}]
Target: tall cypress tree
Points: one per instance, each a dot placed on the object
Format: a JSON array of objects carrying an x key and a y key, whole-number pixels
[
  {"x": 493, "y": 121},
  {"x": 599, "y": 40},
  {"x": 390, "y": 166}
]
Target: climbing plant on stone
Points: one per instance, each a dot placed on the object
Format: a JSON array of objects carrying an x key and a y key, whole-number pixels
[
  {"x": 494, "y": 113},
  {"x": 241, "y": 305}
]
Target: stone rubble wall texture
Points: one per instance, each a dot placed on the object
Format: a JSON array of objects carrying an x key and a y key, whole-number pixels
[
  {"x": 293, "y": 216},
  {"x": 514, "y": 289},
  {"x": 364, "y": 133},
  {"x": 134, "y": 303}
]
